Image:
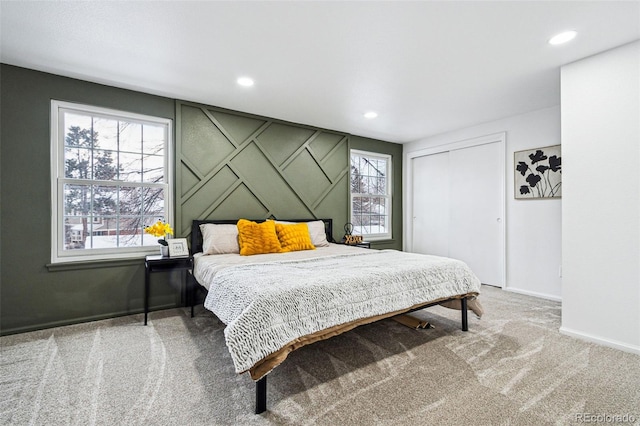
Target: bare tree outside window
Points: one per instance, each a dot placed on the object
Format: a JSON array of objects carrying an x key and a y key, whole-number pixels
[
  {"x": 112, "y": 180},
  {"x": 370, "y": 194}
]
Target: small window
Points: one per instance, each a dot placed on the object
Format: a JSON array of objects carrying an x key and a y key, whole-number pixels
[
  {"x": 110, "y": 179},
  {"x": 371, "y": 195}
]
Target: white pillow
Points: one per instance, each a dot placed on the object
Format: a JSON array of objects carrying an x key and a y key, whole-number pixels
[
  {"x": 219, "y": 238},
  {"x": 318, "y": 235},
  {"x": 316, "y": 230}
]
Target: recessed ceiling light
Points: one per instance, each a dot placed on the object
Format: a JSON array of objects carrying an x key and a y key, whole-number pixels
[
  {"x": 245, "y": 81},
  {"x": 370, "y": 114},
  {"x": 563, "y": 37}
]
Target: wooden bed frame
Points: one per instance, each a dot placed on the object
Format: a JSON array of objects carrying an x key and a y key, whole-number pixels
[{"x": 193, "y": 286}]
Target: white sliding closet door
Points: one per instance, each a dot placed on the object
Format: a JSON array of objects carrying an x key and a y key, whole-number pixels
[
  {"x": 458, "y": 204},
  {"x": 475, "y": 210},
  {"x": 431, "y": 204}
]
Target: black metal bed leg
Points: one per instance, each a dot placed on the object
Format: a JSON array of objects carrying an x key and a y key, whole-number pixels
[
  {"x": 261, "y": 395},
  {"x": 465, "y": 323}
]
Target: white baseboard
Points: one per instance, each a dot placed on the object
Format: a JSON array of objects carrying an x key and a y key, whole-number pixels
[
  {"x": 600, "y": 341},
  {"x": 534, "y": 294}
]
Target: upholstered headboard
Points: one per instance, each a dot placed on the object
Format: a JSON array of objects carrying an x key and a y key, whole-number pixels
[{"x": 196, "y": 234}]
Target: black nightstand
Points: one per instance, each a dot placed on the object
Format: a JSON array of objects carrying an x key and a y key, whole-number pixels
[
  {"x": 157, "y": 263},
  {"x": 364, "y": 244}
]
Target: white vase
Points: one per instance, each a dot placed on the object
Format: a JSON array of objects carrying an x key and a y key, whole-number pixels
[{"x": 164, "y": 251}]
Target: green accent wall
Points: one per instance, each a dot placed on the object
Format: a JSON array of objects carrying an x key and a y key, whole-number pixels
[
  {"x": 233, "y": 165},
  {"x": 32, "y": 296},
  {"x": 228, "y": 164}
]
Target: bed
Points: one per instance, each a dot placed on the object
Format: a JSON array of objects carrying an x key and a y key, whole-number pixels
[{"x": 275, "y": 303}]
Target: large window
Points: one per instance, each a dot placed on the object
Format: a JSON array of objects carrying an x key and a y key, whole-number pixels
[
  {"x": 371, "y": 195},
  {"x": 110, "y": 179}
]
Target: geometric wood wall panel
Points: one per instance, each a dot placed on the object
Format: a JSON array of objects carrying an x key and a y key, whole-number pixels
[
  {"x": 333, "y": 163},
  {"x": 240, "y": 196},
  {"x": 311, "y": 188},
  {"x": 211, "y": 190},
  {"x": 231, "y": 165},
  {"x": 324, "y": 143},
  {"x": 281, "y": 141},
  {"x": 203, "y": 144},
  {"x": 240, "y": 127},
  {"x": 336, "y": 205},
  {"x": 187, "y": 180},
  {"x": 264, "y": 181}
]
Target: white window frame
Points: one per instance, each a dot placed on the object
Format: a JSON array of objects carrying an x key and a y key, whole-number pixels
[
  {"x": 389, "y": 193},
  {"x": 58, "y": 180}
]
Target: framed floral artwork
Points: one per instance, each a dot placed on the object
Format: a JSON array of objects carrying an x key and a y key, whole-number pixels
[{"x": 538, "y": 173}]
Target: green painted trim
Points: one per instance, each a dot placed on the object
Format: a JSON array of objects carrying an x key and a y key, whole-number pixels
[
  {"x": 345, "y": 139},
  {"x": 280, "y": 171},
  {"x": 303, "y": 147},
  {"x": 94, "y": 264},
  {"x": 207, "y": 177},
  {"x": 327, "y": 191}
]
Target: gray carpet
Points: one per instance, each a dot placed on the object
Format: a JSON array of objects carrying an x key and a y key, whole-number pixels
[{"x": 511, "y": 368}]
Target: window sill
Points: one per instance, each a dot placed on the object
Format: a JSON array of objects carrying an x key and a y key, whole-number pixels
[
  {"x": 385, "y": 241},
  {"x": 378, "y": 240},
  {"x": 94, "y": 264}
]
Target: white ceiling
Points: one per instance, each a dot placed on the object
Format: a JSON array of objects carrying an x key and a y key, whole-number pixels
[{"x": 425, "y": 67}]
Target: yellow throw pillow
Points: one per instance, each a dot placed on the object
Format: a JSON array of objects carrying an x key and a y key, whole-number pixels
[
  {"x": 257, "y": 238},
  {"x": 294, "y": 237}
]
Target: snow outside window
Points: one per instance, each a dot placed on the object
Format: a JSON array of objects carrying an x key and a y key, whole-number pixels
[
  {"x": 110, "y": 179},
  {"x": 371, "y": 195}
]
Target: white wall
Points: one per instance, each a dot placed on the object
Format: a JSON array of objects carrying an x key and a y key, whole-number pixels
[
  {"x": 601, "y": 204},
  {"x": 533, "y": 227}
]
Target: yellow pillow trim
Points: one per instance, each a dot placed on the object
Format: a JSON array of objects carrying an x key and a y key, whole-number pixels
[
  {"x": 257, "y": 238},
  {"x": 294, "y": 237}
]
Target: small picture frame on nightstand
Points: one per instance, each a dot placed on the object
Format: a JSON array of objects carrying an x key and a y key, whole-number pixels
[{"x": 178, "y": 247}]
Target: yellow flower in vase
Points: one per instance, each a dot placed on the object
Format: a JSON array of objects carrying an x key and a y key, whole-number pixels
[{"x": 160, "y": 229}]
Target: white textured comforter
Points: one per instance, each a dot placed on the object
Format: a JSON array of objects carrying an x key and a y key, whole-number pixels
[{"x": 267, "y": 305}]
